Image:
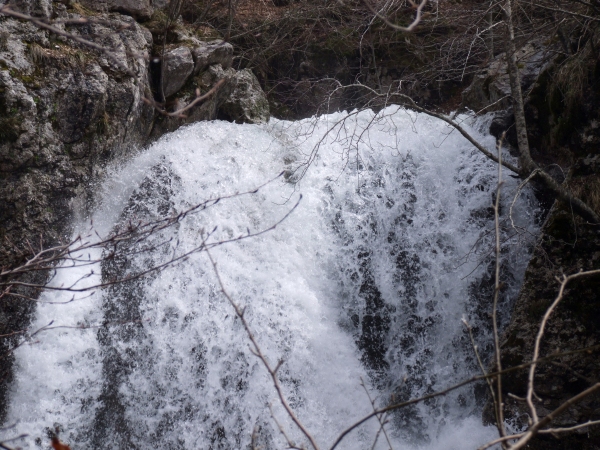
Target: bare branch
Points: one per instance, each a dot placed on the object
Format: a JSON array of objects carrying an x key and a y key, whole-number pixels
[
  {"x": 409, "y": 28},
  {"x": 258, "y": 352},
  {"x": 180, "y": 112},
  {"x": 458, "y": 386},
  {"x": 498, "y": 403}
]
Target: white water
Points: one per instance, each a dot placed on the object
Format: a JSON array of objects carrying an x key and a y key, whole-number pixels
[{"x": 367, "y": 279}]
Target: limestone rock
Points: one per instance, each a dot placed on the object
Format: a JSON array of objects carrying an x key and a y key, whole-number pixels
[
  {"x": 38, "y": 8},
  {"x": 247, "y": 103},
  {"x": 178, "y": 65},
  {"x": 84, "y": 102},
  {"x": 210, "y": 53},
  {"x": 140, "y": 9}
]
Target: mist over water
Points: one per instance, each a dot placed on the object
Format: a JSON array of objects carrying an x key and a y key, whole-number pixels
[{"x": 365, "y": 283}]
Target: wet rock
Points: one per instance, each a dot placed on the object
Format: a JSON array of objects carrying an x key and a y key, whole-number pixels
[
  {"x": 239, "y": 98},
  {"x": 140, "y": 9},
  {"x": 178, "y": 65},
  {"x": 504, "y": 124},
  {"x": 210, "y": 53}
]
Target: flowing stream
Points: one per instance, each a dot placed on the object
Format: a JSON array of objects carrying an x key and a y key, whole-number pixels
[{"x": 360, "y": 291}]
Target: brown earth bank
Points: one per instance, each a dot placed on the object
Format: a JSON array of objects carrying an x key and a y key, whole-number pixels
[{"x": 67, "y": 110}]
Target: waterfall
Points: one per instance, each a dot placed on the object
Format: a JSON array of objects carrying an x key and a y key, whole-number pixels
[{"x": 360, "y": 291}]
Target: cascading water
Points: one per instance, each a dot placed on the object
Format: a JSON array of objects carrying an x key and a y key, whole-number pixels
[{"x": 367, "y": 279}]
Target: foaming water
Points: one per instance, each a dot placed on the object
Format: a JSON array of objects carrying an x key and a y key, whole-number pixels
[{"x": 361, "y": 289}]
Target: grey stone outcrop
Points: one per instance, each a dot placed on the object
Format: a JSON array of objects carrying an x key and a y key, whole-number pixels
[
  {"x": 178, "y": 65},
  {"x": 211, "y": 53},
  {"x": 38, "y": 8},
  {"x": 490, "y": 89},
  {"x": 247, "y": 102},
  {"x": 140, "y": 9},
  {"x": 65, "y": 108},
  {"x": 239, "y": 99}
]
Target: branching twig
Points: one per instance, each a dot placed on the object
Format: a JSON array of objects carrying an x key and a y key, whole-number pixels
[
  {"x": 419, "y": 13},
  {"x": 256, "y": 350}
]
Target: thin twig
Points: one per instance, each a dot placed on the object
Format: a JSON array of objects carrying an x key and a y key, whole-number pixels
[
  {"x": 410, "y": 27},
  {"x": 498, "y": 400},
  {"x": 256, "y": 350}
]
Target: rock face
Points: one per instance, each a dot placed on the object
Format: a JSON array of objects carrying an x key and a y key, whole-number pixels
[
  {"x": 39, "y": 8},
  {"x": 140, "y": 9},
  {"x": 67, "y": 110},
  {"x": 237, "y": 100},
  {"x": 247, "y": 103},
  {"x": 567, "y": 245},
  {"x": 490, "y": 89},
  {"x": 211, "y": 53},
  {"x": 178, "y": 65}
]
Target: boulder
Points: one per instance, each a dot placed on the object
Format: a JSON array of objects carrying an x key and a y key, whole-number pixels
[
  {"x": 490, "y": 89},
  {"x": 504, "y": 122},
  {"x": 177, "y": 66},
  {"x": 140, "y": 9},
  {"x": 239, "y": 98},
  {"x": 210, "y": 53},
  {"x": 248, "y": 102}
]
